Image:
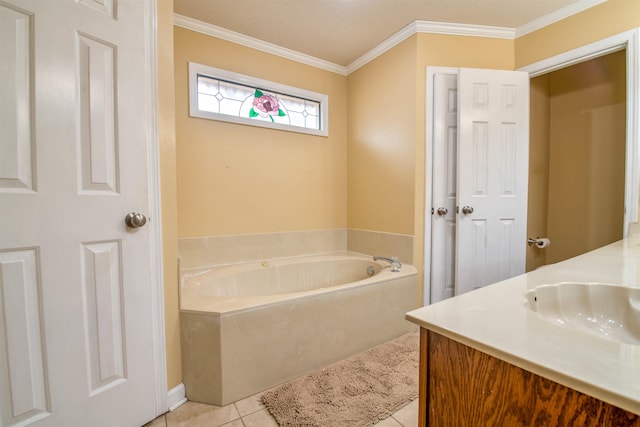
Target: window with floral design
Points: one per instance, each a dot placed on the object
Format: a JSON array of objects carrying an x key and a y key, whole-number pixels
[{"x": 223, "y": 95}]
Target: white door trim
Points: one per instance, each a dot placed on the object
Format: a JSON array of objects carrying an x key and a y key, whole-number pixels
[
  {"x": 628, "y": 40},
  {"x": 155, "y": 224}
]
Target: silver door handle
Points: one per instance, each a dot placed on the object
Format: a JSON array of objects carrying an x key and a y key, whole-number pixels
[
  {"x": 135, "y": 220},
  {"x": 442, "y": 211},
  {"x": 467, "y": 210}
]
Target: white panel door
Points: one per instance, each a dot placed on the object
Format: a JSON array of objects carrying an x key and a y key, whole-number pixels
[
  {"x": 443, "y": 217},
  {"x": 493, "y": 152},
  {"x": 76, "y": 329}
]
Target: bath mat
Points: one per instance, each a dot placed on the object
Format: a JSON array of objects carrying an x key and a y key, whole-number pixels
[{"x": 359, "y": 391}]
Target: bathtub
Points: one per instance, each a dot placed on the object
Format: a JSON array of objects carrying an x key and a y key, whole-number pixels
[{"x": 248, "y": 327}]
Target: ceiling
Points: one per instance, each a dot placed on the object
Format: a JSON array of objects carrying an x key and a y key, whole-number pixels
[{"x": 341, "y": 31}]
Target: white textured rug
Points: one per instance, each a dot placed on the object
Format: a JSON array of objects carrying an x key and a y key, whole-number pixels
[{"x": 358, "y": 391}]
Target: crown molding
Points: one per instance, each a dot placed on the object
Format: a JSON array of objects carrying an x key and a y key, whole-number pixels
[
  {"x": 251, "y": 42},
  {"x": 415, "y": 27},
  {"x": 464, "y": 30},
  {"x": 431, "y": 27},
  {"x": 558, "y": 15},
  {"x": 386, "y": 45}
]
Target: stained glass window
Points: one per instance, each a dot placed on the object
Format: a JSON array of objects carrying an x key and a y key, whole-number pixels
[{"x": 222, "y": 95}]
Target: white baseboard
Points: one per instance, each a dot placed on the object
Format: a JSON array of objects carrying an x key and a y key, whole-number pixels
[{"x": 176, "y": 397}]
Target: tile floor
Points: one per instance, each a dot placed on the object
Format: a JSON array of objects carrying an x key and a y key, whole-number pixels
[{"x": 250, "y": 412}]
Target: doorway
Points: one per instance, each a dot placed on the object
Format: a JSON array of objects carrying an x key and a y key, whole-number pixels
[{"x": 578, "y": 139}]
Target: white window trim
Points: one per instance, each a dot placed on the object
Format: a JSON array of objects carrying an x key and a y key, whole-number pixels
[{"x": 199, "y": 69}]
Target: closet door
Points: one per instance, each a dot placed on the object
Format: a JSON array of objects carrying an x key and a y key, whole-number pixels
[
  {"x": 443, "y": 217},
  {"x": 493, "y": 151}
]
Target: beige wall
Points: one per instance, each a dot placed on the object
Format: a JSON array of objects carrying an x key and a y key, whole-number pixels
[
  {"x": 237, "y": 179},
  {"x": 382, "y": 138}
]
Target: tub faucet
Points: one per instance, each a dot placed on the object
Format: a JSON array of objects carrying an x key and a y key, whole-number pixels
[{"x": 395, "y": 263}]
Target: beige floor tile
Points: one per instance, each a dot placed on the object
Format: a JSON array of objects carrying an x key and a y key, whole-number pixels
[
  {"x": 389, "y": 422},
  {"x": 234, "y": 423},
  {"x": 249, "y": 405},
  {"x": 158, "y": 422},
  {"x": 261, "y": 418},
  {"x": 408, "y": 416},
  {"x": 193, "y": 414}
]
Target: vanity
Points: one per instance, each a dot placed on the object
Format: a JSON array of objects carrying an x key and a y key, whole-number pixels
[{"x": 556, "y": 346}]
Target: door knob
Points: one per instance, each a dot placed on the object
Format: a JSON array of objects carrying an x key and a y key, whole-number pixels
[
  {"x": 467, "y": 210},
  {"x": 135, "y": 220},
  {"x": 442, "y": 211}
]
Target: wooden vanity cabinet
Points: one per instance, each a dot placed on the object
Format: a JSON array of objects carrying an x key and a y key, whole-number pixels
[{"x": 461, "y": 386}]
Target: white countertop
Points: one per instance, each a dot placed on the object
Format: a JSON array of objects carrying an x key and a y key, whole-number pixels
[{"x": 496, "y": 320}]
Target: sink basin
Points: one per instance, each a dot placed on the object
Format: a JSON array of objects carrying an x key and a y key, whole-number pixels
[{"x": 611, "y": 311}]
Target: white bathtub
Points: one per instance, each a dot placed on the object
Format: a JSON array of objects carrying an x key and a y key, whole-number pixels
[{"x": 248, "y": 327}]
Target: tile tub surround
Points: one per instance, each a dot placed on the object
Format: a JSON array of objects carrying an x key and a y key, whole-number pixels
[
  {"x": 496, "y": 320},
  {"x": 228, "y": 355},
  {"x": 380, "y": 243},
  {"x": 197, "y": 252}
]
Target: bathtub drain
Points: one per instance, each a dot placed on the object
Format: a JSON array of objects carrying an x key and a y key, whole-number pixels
[{"x": 370, "y": 270}]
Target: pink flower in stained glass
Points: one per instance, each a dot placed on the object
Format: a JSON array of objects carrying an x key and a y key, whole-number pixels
[{"x": 266, "y": 105}]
